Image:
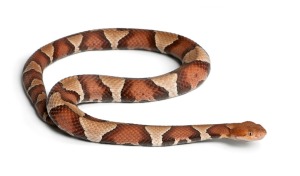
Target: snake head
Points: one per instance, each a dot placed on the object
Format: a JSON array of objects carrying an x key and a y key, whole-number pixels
[{"x": 247, "y": 131}]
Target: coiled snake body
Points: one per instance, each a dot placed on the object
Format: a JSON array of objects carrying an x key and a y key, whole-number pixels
[{"x": 60, "y": 107}]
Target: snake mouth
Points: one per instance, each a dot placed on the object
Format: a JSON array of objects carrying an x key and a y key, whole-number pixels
[{"x": 251, "y": 137}]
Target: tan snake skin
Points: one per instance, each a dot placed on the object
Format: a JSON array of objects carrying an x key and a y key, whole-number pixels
[{"x": 59, "y": 108}]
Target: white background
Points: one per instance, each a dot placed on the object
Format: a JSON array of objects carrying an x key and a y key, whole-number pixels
[{"x": 254, "y": 49}]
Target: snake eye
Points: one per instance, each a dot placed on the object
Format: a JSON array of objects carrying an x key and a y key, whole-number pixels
[{"x": 250, "y": 133}]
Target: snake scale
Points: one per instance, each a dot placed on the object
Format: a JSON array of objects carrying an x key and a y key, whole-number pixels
[{"x": 60, "y": 109}]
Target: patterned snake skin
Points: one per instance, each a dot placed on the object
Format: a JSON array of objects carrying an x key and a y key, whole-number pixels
[{"x": 59, "y": 108}]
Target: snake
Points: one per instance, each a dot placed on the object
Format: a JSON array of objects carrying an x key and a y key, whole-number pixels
[{"x": 60, "y": 109}]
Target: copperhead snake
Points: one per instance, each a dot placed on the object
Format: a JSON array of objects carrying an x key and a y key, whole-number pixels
[{"x": 60, "y": 109}]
